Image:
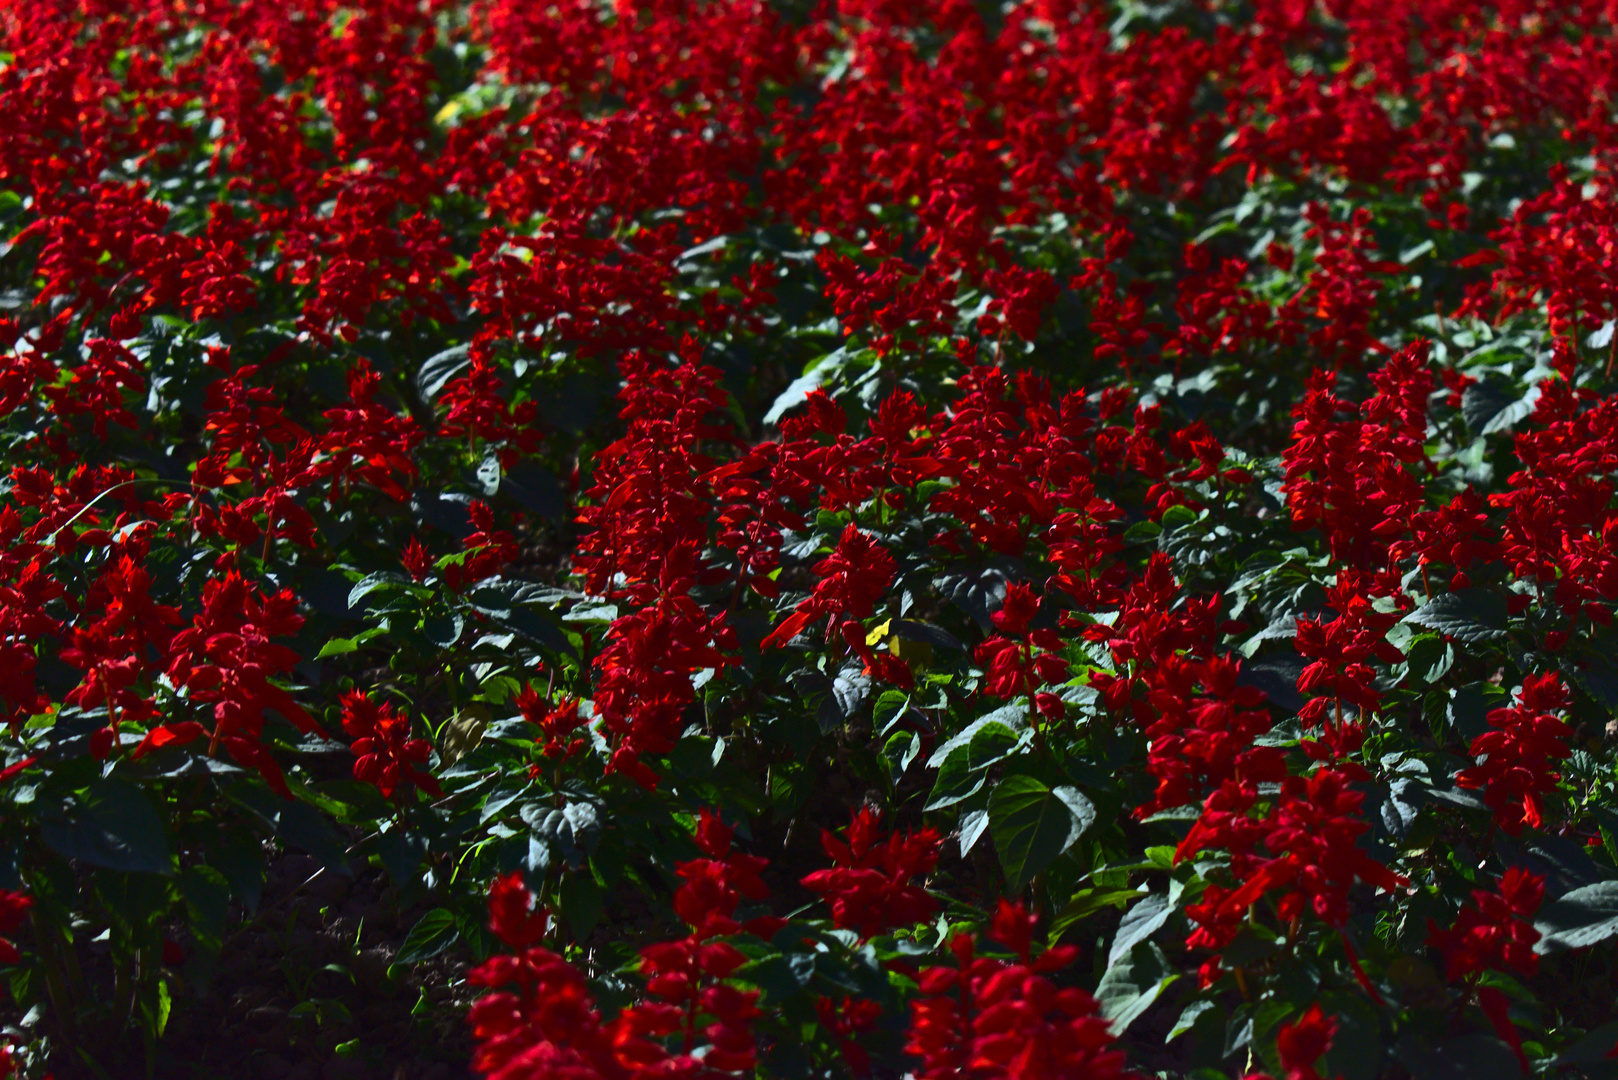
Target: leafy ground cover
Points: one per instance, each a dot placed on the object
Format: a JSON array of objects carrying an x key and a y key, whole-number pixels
[{"x": 737, "y": 539}]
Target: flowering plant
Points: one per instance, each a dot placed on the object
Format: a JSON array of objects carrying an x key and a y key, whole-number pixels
[{"x": 719, "y": 538}]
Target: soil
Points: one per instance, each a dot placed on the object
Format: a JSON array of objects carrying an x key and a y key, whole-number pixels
[{"x": 302, "y": 991}]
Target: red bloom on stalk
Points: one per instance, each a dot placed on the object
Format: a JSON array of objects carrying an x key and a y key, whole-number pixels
[
  {"x": 386, "y": 754},
  {"x": 512, "y": 915},
  {"x": 987, "y": 1018},
  {"x": 487, "y": 550},
  {"x": 366, "y": 441},
  {"x": 13, "y": 910},
  {"x": 476, "y": 408},
  {"x": 1495, "y": 932},
  {"x": 1304, "y": 1041},
  {"x": 1020, "y": 660},
  {"x": 869, "y": 888},
  {"x": 418, "y": 563},
  {"x": 1310, "y": 833},
  {"x": 117, "y": 650},
  {"x": 559, "y": 724},
  {"x": 852, "y": 579},
  {"x": 845, "y": 1021},
  {"x": 1517, "y": 757},
  {"x": 226, "y": 659},
  {"x": 541, "y": 1020}
]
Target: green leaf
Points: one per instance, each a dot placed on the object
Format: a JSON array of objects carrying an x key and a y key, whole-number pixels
[
  {"x": 1139, "y": 923},
  {"x": 1178, "y": 516},
  {"x": 1131, "y": 985},
  {"x": 1430, "y": 657},
  {"x": 973, "y": 824},
  {"x": 1493, "y": 405},
  {"x": 1031, "y": 826},
  {"x": 488, "y": 475},
  {"x": 926, "y": 634},
  {"x": 1593, "y": 1048},
  {"x": 1009, "y": 715},
  {"x": 1086, "y": 903},
  {"x": 1075, "y": 801},
  {"x": 779, "y": 977},
  {"x": 584, "y": 825},
  {"x": 592, "y": 612},
  {"x": 1470, "y": 615},
  {"x": 798, "y": 392},
  {"x": 990, "y": 743},
  {"x": 955, "y": 781},
  {"x": 112, "y": 824},
  {"x": 432, "y": 935},
  {"x": 443, "y": 628},
  {"x": 1188, "y": 1019},
  {"x": 439, "y": 369},
  {"x": 370, "y": 583},
  {"x": 1467, "y": 1057},
  {"x": 536, "y": 488},
  {"x": 337, "y": 647},
  {"x": 890, "y": 706},
  {"x": 1358, "y": 1050},
  {"x": 241, "y": 859},
  {"x": 1579, "y": 918},
  {"x": 207, "y": 900}
]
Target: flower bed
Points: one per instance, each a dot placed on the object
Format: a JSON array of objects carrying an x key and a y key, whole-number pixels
[{"x": 717, "y": 539}]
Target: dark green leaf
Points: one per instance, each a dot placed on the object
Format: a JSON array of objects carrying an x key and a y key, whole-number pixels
[
  {"x": 990, "y": 743},
  {"x": 955, "y": 781},
  {"x": 1494, "y": 404},
  {"x": 1579, "y": 919},
  {"x": 1010, "y": 715},
  {"x": 439, "y": 369},
  {"x": 488, "y": 475},
  {"x": 442, "y": 628},
  {"x": 1131, "y": 985},
  {"x": 927, "y": 634},
  {"x": 1031, "y": 826},
  {"x": 302, "y": 826},
  {"x": 1140, "y": 922},
  {"x": 582, "y": 902},
  {"x": 1470, "y": 615},
  {"x": 435, "y": 932},
  {"x": 973, "y": 824},
  {"x": 1467, "y": 1057},
  {"x": 113, "y": 824},
  {"x": 536, "y": 489}
]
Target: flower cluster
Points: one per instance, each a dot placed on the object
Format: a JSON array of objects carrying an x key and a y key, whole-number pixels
[
  {"x": 983, "y": 1016},
  {"x": 1109, "y": 455}
]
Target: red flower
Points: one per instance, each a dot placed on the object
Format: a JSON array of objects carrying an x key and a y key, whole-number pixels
[
  {"x": 1020, "y": 660},
  {"x": 869, "y": 889},
  {"x": 1494, "y": 932},
  {"x": 416, "y": 560},
  {"x": 387, "y": 755},
  {"x": 852, "y": 579},
  {"x": 13, "y": 910},
  {"x": 1008, "y": 1021},
  {"x": 1303, "y": 1042},
  {"x": 1516, "y": 766},
  {"x": 845, "y": 1021},
  {"x": 487, "y": 550},
  {"x": 559, "y": 725},
  {"x": 512, "y": 915},
  {"x": 226, "y": 658}
]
